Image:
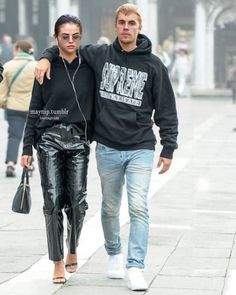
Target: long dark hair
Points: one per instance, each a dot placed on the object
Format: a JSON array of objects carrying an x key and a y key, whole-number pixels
[{"x": 65, "y": 19}]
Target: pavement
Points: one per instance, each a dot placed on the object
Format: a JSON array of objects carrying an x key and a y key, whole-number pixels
[
  {"x": 216, "y": 92},
  {"x": 192, "y": 212}
]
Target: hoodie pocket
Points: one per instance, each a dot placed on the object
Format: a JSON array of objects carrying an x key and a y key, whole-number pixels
[{"x": 117, "y": 125}]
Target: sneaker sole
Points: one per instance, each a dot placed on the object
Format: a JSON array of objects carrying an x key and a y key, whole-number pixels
[
  {"x": 137, "y": 288},
  {"x": 115, "y": 276}
]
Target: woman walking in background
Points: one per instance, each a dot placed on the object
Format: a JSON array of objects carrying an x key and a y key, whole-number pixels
[
  {"x": 15, "y": 94},
  {"x": 58, "y": 125}
]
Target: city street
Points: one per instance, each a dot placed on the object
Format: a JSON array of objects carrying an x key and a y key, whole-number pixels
[{"x": 192, "y": 212}]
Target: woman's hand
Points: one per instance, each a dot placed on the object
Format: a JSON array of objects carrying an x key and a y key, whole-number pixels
[{"x": 26, "y": 161}]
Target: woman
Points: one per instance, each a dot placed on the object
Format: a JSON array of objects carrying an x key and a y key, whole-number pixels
[
  {"x": 15, "y": 93},
  {"x": 58, "y": 125}
]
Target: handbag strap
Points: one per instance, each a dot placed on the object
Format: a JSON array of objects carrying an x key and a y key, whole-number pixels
[
  {"x": 16, "y": 75},
  {"x": 25, "y": 176}
]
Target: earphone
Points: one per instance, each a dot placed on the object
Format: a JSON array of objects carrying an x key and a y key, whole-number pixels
[{"x": 76, "y": 97}]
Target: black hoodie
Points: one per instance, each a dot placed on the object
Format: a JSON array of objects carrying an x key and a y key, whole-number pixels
[
  {"x": 131, "y": 88},
  {"x": 54, "y": 102}
]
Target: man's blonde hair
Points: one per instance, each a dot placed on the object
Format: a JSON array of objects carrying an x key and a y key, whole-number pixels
[{"x": 128, "y": 8}]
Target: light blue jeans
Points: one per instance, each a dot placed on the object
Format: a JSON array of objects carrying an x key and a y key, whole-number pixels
[{"x": 114, "y": 168}]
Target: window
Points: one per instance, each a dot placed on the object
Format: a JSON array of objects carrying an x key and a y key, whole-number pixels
[
  {"x": 2, "y": 11},
  {"x": 35, "y": 12}
]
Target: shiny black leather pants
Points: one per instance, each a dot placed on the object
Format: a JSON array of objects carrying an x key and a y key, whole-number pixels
[{"x": 63, "y": 163}]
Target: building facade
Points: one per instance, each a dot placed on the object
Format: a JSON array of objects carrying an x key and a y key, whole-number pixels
[{"x": 210, "y": 29}]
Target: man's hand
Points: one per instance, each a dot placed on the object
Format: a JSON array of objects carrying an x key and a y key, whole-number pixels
[
  {"x": 43, "y": 67},
  {"x": 26, "y": 161},
  {"x": 164, "y": 163}
]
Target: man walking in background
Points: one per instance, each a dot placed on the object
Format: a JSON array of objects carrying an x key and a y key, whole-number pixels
[{"x": 6, "y": 48}]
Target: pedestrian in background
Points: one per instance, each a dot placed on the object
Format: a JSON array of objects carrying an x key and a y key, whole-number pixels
[
  {"x": 6, "y": 48},
  {"x": 168, "y": 46},
  {"x": 181, "y": 71},
  {"x": 15, "y": 94},
  {"x": 59, "y": 126},
  {"x": 131, "y": 84},
  {"x": 1, "y": 70},
  {"x": 103, "y": 40},
  {"x": 164, "y": 57},
  {"x": 232, "y": 84}
]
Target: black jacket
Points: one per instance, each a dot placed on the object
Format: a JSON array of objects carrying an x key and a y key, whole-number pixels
[
  {"x": 1, "y": 70},
  {"x": 131, "y": 87},
  {"x": 54, "y": 102}
]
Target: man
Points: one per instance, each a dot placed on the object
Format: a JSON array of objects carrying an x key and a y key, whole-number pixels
[
  {"x": 131, "y": 83},
  {"x": 1, "y": 70},
  {"x": 6, "y": 48}
]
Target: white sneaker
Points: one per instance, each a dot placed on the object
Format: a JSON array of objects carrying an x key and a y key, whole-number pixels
[
  {"x": 136, "y": 280},
  {"x": 116, "y": 268}
]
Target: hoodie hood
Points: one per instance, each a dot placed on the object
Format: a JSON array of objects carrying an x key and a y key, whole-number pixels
[{"x": 144, "y": 45}]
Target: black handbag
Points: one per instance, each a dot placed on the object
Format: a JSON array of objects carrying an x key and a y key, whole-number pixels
[{"x": 22, "y": 199}]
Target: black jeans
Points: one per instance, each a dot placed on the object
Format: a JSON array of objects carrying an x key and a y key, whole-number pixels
[
  {"x": 63, "y": 160},
  {"x": 16, "y": 122}
]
